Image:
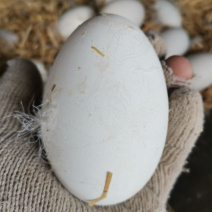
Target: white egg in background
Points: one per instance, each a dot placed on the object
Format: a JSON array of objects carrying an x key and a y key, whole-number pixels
[
  {"x": 167, "y": 13},
  {"x": 72, "y": 18},
  {"x": 133, "y": 10},
  {"x": 8, "y": 36},
  {"x": 107, "y": 107},
  {"x": 202, "y": 67},
  {"x": 177, "y": 41}
]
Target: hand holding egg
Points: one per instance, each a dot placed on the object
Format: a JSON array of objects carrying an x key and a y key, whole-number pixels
[
  {"x": 108, "y": 113},
  {"x": 108, "y": 129},
  {"x": 183, "y": 105}
]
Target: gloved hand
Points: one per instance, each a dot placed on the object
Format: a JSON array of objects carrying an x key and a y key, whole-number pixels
[{"x": 27, "y": 183}]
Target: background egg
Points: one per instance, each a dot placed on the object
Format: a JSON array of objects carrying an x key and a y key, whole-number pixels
[
  {"x": 202, "y": 67},
  {"x": 177, "y": 41},
  {"x": 72, "y": 18},
  {"x": 107, "y": 109},
  {"x": 133, "y": 10},
  {"x": 8, "y": 36},
  {"x": 167, "y": 13}
]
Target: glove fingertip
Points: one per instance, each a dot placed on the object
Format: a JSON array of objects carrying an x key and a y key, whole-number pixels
[
  {"x": 20, "y": 82},
  {"x": 24, "y": 68}
]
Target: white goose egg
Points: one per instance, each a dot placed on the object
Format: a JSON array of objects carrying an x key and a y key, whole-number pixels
[
  {"x": 8, "y": 36},
  {"x": 107, "y": 107},
  {"x": 202, "y": 67},
  {"x": 168, "y": 14},
  {"x": 133, "y": 10},
  {"x": 177, "y": 41},
  {"x": 72, "y": 18}
]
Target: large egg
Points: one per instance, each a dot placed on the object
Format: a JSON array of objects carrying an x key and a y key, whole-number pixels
[{"x": 106, "y": 110}]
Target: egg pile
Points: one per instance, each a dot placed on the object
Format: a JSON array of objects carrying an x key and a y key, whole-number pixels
[
  {"x": 178, "y": 42},
  {"x": 176, "y": 38}
]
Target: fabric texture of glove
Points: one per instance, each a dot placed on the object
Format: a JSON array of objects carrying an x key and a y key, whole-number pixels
[{"x": 27, "y": 183}]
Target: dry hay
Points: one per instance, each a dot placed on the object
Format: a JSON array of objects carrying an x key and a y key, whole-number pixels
[
  {"x": 35, "y": 22},
  {"x": 197, "y": 20}
]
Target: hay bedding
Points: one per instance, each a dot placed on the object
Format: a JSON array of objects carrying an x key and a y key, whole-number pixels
[{"x": 35, "y": 22}]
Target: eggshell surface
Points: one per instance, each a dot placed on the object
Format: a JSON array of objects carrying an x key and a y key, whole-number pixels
[
  {"x": 133, "y": 10},
  {"x": 177, "y": 41},
  {"x": 107, "y": 109},
  {"x": 167, "y": 13},
  {"x": 72, "y": 18},
  {"x": 202, "y": 67}
]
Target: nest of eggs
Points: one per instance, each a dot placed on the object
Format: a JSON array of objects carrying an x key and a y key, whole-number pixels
[{"x": 35, "y": 23}]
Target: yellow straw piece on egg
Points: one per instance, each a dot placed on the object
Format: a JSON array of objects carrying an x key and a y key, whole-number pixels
[
  {"x": 105, "y": 191},
  {"x": 97, "y": 50}
]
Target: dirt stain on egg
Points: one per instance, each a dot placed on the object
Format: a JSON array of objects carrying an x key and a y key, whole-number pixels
[
  {"x": 82, "y": 85},
  {"x": 83, "y": 34},
  {"x": 53, "y": 87},
  {"x": 59, "y": 90},
  {"x": 97, "y": 50},
  {"x": 109, "y": 138},
  {"x": 89, "y": 115},
  {"x": 131, "y": 27}
]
